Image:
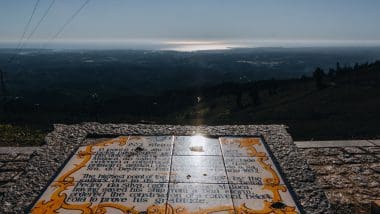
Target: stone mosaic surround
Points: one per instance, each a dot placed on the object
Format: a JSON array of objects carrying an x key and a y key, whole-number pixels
[
  {"x": 66, "y": 139},
  {"x": 13, "y": 161},
  {"x": 348, "y": 171}
]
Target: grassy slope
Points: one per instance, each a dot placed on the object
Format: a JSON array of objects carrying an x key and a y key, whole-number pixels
[
  {"x": 348, "y": 109},
  {"x": 11, "y": 135}
]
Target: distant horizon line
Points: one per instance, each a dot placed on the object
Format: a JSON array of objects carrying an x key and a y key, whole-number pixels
[{"x": 182, "y": 45}]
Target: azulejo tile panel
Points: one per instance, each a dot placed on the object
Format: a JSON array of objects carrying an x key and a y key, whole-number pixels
[
  {"x": 190, "y": 169},
  {"x": 199, "y": 198},
  {"x": 250, "y": 170},
  {"x": 242, "y": 147},
  {"x": 169, "y": 174},
  {"x": 196, "y": 145},
  {"x": 258, "y": 198}
]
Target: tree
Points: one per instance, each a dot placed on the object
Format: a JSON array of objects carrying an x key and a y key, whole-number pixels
[
  {"x": 2, "y": 82},
  {"x": 338, "y": 69},
  {"x": 356, "y": 66},
  {"x": 95, "y": 105},
  {"x": 3, "y": 100},
  {"x": 318, "y": 77},
  {"x": 254, "y": 94},
  {"x": 272, "y": 89},
  {"x": 239, "y": 96}
]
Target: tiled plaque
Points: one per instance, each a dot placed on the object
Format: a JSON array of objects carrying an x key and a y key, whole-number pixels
[{"x": 169, "y": 175}]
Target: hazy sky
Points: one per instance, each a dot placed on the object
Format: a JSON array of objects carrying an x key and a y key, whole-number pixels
[{"x": 200, "y": 20}]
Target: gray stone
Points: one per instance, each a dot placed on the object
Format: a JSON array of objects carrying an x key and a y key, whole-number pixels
[
  {"x": 354, "y": 150},
  {"x": 375, "y": 167},
  {"x": 353, "y": 159},
  {"x": 336, "y": 143},
  {"x": 5, "y": 157},
  {"x": 318, "y": 152},
  {"x": 17, "y": 150},
  {"x": 324, "y": 161},
  {"x": 13, "y": 166},
  {"x": 351, "y": 185},
  {"x": 7, "y": 176},
  {"x": 366, "y": 158},
  {"x": 375, "y": 142},
  {"x": 373, "y": 150},
  {"x": 22, "y": 157},
  {"x": 335, "y": 181}
]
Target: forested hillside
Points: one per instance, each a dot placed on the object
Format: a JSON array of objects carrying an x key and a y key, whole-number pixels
[{"x": 227, "y": 87}]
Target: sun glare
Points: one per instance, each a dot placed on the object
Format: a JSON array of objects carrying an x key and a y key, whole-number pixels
[
  {"x": 193, "y": 45},
  {"x": 197, "y": 140}
]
